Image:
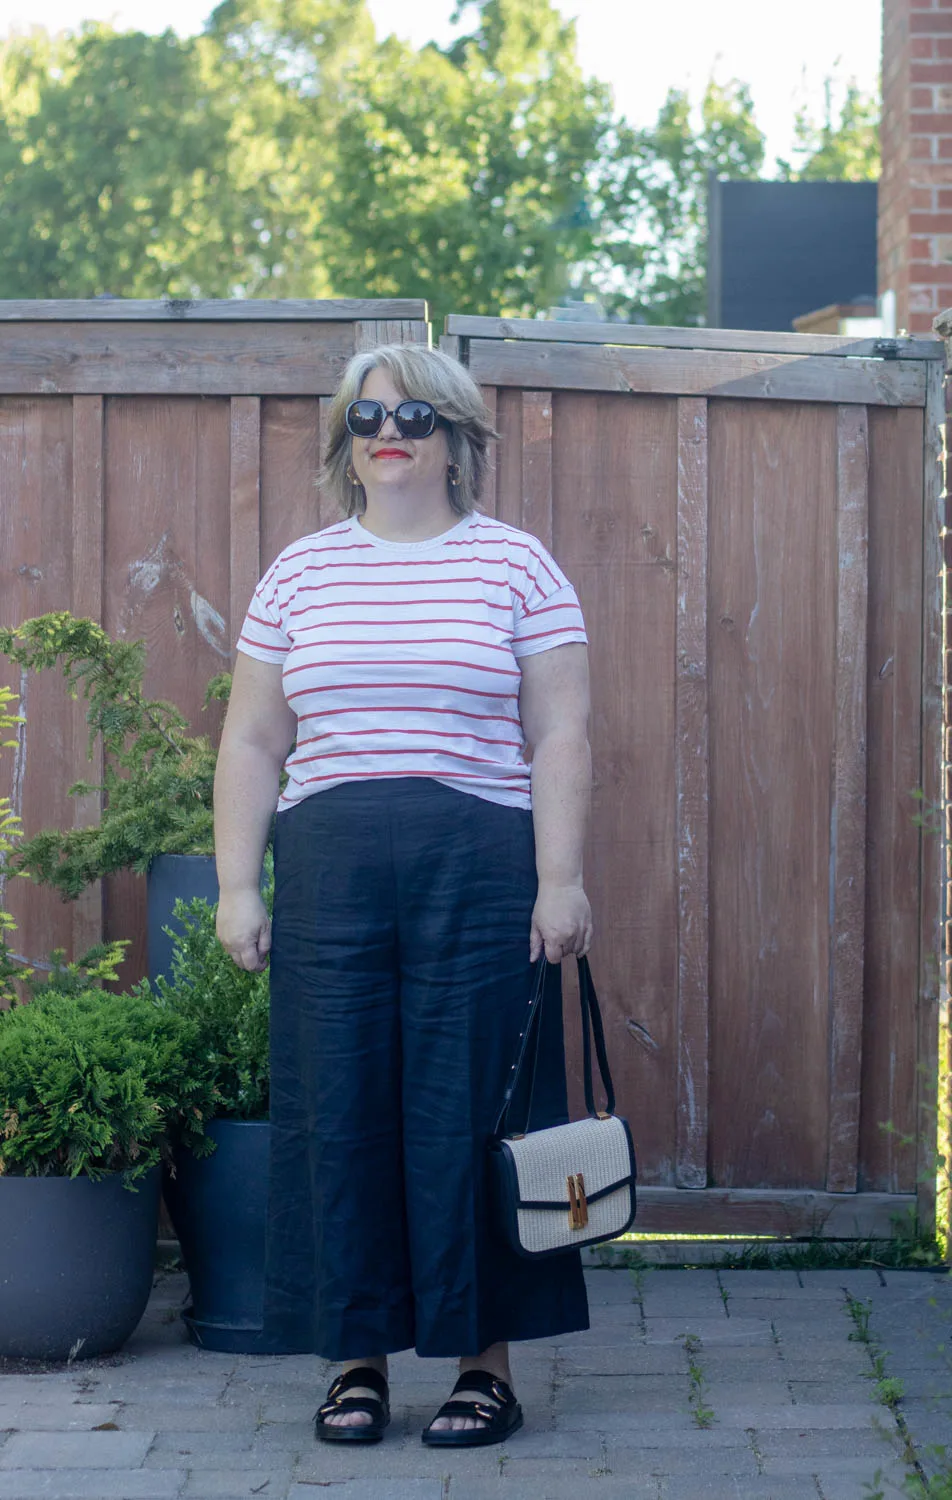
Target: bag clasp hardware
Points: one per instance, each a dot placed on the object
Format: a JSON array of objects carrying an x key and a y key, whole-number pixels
[{"x": 578, "y": 1206}]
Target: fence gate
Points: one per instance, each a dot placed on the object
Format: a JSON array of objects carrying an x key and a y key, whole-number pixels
[
  {"x": 154, "y": 459},
  {"x": 752, "y": 522}
]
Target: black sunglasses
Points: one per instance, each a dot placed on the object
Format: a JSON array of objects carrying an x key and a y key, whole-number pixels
[{"x": 414, "y": 419}]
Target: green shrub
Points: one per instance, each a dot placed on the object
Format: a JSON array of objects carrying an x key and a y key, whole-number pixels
[
  {"x": 228, "y": 1007},
  {"x": 96, "y": 1083},
  {"x": 157, "y": 777}
]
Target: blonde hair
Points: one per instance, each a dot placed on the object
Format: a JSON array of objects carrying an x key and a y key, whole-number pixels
[{"x": 427, "y": 375}]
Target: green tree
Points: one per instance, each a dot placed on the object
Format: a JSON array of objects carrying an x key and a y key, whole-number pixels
[
  {"x": 652, "y": 260},
  {"x": 843, "y": 146},
  {"x": 113, "y": 168}
]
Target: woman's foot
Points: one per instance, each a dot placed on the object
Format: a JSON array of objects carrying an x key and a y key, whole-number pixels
[
  {"x": 493, "y": 1410},
  {"x": 355, "y": 1410}
]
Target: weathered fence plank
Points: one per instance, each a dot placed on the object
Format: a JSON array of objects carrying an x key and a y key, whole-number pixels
[
  {"x": 693, "y": 794},
  {"x": 688, "y": 372},
  {"x": 848, "y": 807}
]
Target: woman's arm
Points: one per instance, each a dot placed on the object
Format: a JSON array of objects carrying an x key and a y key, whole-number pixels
[
  {"x": 258, "y": 732},
  {"x": 554, "y": 707}
]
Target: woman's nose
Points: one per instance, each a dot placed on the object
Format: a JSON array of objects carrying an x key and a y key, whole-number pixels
[{"x": 389, "y": 428}]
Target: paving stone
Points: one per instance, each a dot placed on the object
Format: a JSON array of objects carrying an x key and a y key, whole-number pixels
[
  {"x": 571, "y": 1478},
  {"x": 632, "y": 1359},
  {"x": 369, "y": 1489},
  {"x": 668, "y": 1441},
  {"x": 861, "y": 1283},
  {"x": 735, "y": 1487},
  {"x": 91, "y": 1484},
  {"x": 830, "y": 1444},
  {"x": 764, "y": 1395},
  {"x": 184, "y": 1418},
  {"x": 709, "y": 1330},
  {"x": 211, "y": 1484},
  {"x": 727, "y": 1463},
  {"x": 630, "y": 1393},
  {"x": 770, "y": 1283},
  {"x": 75, "y": 1450},
  {"x": 193, "y": 1445},
  {"x": 54, "y": 1415},
  {"x": 163, "y": 1389},
  {"x": 841, "y": 1418},
  {"x": 851, "y": 1388},
  {"x": 835, "y": 1486},
  {"x": 556, "y": 1487}
]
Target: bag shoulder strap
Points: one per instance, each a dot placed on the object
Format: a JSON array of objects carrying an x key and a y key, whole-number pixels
[{"x": 592, "y": 1028}]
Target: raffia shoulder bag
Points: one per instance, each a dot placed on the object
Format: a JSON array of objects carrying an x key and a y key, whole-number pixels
[{"x": 570, "y": 1185}]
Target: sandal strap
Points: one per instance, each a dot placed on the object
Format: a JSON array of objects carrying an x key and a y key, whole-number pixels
[
  {"x": 469, "y": 1409},
  {"x": 486, "y": 1384},
  {"x": 364, "y": 1375},
  {"x": 368, "y": 1404}
]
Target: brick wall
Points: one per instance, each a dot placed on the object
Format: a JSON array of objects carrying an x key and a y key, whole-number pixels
[{"x": 915, "y": 191}]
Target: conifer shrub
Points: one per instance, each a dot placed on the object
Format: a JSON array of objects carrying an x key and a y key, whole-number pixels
[
  {"x": 157, "y": 776},
  {"x": 97, "y": 1083},
  {"x": 227, "y": 1006}
]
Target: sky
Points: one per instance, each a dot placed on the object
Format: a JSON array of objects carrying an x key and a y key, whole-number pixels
[{"x": 641, "y": 47}]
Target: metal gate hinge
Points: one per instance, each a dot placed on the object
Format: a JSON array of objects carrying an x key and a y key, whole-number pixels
[{"x": 886, "y": 348}]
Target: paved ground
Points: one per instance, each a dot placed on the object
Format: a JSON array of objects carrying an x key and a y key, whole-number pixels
[{"x": 742, "y": 1385}]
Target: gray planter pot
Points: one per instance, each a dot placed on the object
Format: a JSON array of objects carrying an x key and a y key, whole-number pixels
[
  {"x": 173, "y": 877},
  {"x": 76, "y": 1263},
  {"x": 219, "y": 1206}
]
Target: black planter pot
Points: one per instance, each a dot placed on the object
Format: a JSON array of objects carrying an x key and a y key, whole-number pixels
[
  {"x": 219, "y": 1205},
  {"x": 76, "y": 1263},
  {"x": 172, "y": 877}
]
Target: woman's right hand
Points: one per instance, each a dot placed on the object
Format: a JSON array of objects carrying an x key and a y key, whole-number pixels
[{"x": 244, "y": 928}]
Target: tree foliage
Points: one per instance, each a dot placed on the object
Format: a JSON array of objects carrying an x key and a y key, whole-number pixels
[
  {"x": 844, "y": 145},
  {"x": 157, "y": 776},
  {"x": 290, "y": 152}
]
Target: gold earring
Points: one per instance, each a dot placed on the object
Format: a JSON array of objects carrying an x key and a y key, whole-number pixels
[
  {"x": 453, "y": 473},
  {"x": 352, "y": 476}
]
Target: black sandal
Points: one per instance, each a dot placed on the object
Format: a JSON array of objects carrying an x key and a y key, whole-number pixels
[
  {"x": 377, "y": 1408},
  {"x": 499, "y": 1419}
]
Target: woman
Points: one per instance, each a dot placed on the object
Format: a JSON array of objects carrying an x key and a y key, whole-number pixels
[{"x": 419, "y": 654}]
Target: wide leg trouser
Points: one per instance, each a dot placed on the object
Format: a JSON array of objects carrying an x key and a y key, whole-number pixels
[{"x": 400, "y": 979}]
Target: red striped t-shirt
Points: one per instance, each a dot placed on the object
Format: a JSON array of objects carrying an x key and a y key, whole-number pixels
[{"x": 402, "y": 658}]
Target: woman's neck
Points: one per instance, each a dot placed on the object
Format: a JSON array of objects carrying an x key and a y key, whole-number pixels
[{"x": 393, "y": 519}]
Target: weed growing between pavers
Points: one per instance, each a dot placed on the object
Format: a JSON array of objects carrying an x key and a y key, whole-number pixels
[
  {"x": 890, "y": 1390},
  {"x": 702, "y": 1413}
]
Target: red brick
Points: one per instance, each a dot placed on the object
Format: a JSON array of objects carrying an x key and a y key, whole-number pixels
[
  {"x": 942, "y": 46},
  {"x": 928, "y": 122},
  {"x": 923, "y": 199},
  {"x": 921, "y": 98},
  {"x": 931, "y": 72},
  {"x": 920, "y": 148},
  {"x": 922, "y": 5},
  {"x": 919, "y": 323},
  {"x": 932, "y": 275},
  {"x": 931, "y": 23},
  {"x": 943, "y": 196}
]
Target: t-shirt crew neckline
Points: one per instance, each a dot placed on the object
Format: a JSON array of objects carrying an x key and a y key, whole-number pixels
[{"x": 427, "y": 544}]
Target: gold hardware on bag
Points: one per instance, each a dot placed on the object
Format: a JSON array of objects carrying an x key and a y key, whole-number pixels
[{"x": 578, "y": 1207}]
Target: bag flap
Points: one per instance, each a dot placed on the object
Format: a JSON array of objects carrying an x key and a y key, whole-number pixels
[{"x": 599, "y": 1149}]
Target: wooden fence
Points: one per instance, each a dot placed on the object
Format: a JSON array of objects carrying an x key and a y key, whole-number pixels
[{"x": 752, "y": 523}]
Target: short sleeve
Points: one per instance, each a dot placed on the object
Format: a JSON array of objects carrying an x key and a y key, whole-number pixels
[
  {"x": 262, "y": 634},
  {"x": 547, "y": 611}
]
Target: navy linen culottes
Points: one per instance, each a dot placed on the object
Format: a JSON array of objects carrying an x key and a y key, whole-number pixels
[{"x": 400, "y": 980}]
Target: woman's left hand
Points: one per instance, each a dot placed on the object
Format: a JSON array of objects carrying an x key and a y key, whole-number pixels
[{"x": 561, "y": 923}]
